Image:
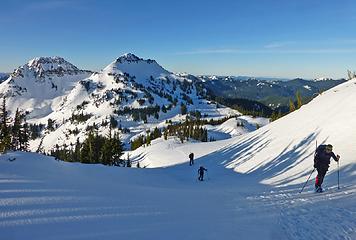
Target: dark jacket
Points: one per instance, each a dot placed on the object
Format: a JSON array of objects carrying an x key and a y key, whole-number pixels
[
  {"x": 322, "y": 158},
  {"x": 201, "y": 170}
]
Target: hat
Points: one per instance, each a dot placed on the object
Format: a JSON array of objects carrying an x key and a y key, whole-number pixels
[{"x": 329, "y": 147}]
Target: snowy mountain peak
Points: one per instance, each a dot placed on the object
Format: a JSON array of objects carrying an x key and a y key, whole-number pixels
[
  {"x": 128, "y": 57},
  {"x": 50, "y": 63},
  {"x": 132, "y": 58},
  {"x": 37, "y": 84},
  {"x": 44, "y": 66},
  {"x": 135, "y": 66}
]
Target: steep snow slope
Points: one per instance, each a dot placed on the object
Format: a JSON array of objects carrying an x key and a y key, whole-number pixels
[
  {"x": 282, "y": 152},
  {"x": 39, "y": 85}
]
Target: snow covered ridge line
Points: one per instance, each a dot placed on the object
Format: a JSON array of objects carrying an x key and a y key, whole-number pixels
[
  {"x": 37, "y": 85},
  {"x": 131, "y": 94},
  {"x": 132, "y": 58},
  {"x": 42, "y": 66}
]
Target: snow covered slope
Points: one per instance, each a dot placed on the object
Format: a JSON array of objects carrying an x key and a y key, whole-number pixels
[
  {"x": 282, "y": 152},
  {"x": 175, "y": 152},
  {"x": 251, "y": 189},
  {"x": 39, "y": 85},
  {"x": 138, "y": 94},
  {"x": 138, "y": 67}
]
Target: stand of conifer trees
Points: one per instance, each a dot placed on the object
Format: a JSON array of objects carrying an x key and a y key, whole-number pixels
[
  {"x": 106, "y": 150},
  {"x": 14, "y": 133}
]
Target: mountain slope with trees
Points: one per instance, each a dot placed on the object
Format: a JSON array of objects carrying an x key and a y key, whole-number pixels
[{"x": 273, "y": 93}]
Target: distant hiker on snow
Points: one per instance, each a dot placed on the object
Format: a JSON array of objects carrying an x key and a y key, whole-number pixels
[
  {"x": 191, "y": 159},
  {"x": 321, "y": 162},
  {"x": 201, "y": 173}
]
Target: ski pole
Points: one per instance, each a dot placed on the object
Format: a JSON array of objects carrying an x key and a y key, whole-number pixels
[
  {"x": 307, "y": 181},
  {"x": 338, "y": 174}
]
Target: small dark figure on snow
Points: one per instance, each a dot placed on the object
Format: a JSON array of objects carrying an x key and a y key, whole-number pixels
[
  {"x": 191, "y": 159},
  {"x": 201, "y": 171},
  {"x": 321, "y": 163}
]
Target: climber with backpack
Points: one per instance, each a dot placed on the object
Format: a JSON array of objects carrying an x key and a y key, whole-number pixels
[
  {"x": 321, "y": 162},
  {"x": 201, "y": 171},
  {"x": 191, "y": 159}
]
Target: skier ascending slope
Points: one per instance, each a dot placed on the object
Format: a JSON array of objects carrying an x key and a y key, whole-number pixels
[
  {"x": 201, "y": 173},
  {"x": 321, "y": 163},
  {"x": 191, "y": 159}
]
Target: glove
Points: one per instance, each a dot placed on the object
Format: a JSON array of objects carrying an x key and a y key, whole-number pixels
[
  {"x": 314, "y": 165},
  {"x": 338, "y": 158}
]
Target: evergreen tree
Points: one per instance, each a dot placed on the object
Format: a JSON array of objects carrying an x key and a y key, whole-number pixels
[
  {"x": 164, "y": 109},
  {"x": 16, "y": 128},
  {"x": 76, "y": 154},
  {"x": 40, "y": 146},
  {"x": 156, "y": 133},
  {"x": 24, "y": 136},
  {"x": 183, "y": 109},
  {"x": 144, "y": 117},
  {"x": 148, "y": 139},
  {"x": 98, "y": 143},
  {"x": 5, "y": 136},
  {"x": 50, "y": 124},
  {"x": 128, "y": 164},
  {"x": 113, "y": 122},
  {"x": 107, "y": 152},
  {"x": 117, "y": 147},
  {"x": 299, "y": 100},
  {"x": 87, "y": 150},
  {"x": 291, "y": 106},
  {"x": 165, "y": 135},
  {"x": 275, "y": 116}
]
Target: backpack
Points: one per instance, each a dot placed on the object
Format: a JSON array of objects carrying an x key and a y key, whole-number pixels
[{"x": 318, "y": 152}]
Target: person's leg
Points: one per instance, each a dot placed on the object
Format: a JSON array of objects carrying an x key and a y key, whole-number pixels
[
  {"x": 322, "y": 175},
  {"x": 317, "y": 179}
]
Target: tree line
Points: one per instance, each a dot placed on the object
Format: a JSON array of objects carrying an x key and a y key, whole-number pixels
[
  {"x": 14, "y": 132},
  {"x": 95, "y": 149}
]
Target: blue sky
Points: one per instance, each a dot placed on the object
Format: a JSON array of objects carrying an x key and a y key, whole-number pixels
[{"x": 283, "y": 38}]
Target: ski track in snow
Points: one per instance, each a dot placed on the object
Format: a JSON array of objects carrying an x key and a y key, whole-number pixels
[
  {"x": 251, "y": 189},
  {"x": 313, "y": 215},
  {"x": 32, "y": 204}
]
